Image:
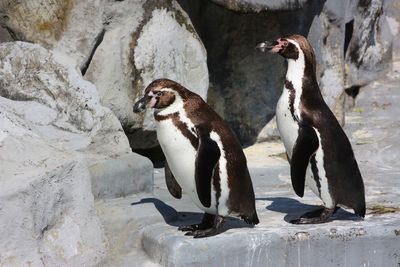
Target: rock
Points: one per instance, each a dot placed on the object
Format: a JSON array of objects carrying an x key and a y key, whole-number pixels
[
  {"x": 55, "y": 24},
  {"x": 122, "y": 176},
  {"x": 5, "y": 35},
  {"x": 123, "y": 46},
  {"x": 370, "y": 50},
  {"x": 269, "y": 132},
  {"x": 52, "y": 129},
  {"x": 56, "y": 102},
  {"x": 393, "y": 19},
  {"x": 327, "y": 36},
  {"x": 245, "y": 85},
  {"x": 144, "y": 41},
  {"x": 49, "y": 219}
]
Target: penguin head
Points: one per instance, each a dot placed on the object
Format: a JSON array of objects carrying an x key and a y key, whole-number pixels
[
  {"x": 160, "y": 94},
  {"x": 287, "y": 46}
]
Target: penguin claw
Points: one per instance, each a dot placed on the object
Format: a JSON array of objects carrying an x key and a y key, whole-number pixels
[
  {"x": 204, "y": 229},
  {"x": 188, "y": 228},
  {"x": 309, "y": 220},
  {"x": 204, "y": 233}
]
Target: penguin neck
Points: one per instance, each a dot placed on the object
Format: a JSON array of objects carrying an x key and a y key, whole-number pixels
[
  {"x": 299, "y": 69},
  {"x": 175, "y": 107},
  {"x": 295, "y": 71}
]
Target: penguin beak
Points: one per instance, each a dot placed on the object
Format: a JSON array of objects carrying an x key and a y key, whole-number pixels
[
  {"x": 264, "y": 46},
  {"x": 142, "y": 104}
]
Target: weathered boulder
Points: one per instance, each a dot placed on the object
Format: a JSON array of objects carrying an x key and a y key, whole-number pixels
[
  {"x": 143, "y": 41},
  {"x": 70, "y": 27},
  {"x": 369, "y": 53},
  {"x": 393, "y": 19},
  {"x": 52, "y": 130},
  {"x": 49, "y": 219},
  {"x": 62, "y": 107}
]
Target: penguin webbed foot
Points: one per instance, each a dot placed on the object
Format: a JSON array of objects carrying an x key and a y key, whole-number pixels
[
  {"x": 211, "y": 231},
  {"x": 204, "y": 233},
  {"x": 206, "y": 223},
  {"x": 321, "y": 215}
]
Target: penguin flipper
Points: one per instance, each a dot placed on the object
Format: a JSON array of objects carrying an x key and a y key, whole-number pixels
[
  {"x": 208, "y": 154},
  {"x": 306, "y": 145},
  {"x": 173, "y": 187}
]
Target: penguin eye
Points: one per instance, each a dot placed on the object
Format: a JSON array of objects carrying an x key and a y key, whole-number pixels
[
  {"x": 285, "y": 43},
  {"x": 159, "y": 93}
]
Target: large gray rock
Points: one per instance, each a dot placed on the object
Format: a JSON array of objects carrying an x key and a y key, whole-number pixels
[
  {"x": 121, "y": 47},
  {"x": 370, "y": 50},
  {"x": 49, "y": 219},
  {"x": 327, "y": 35},
  {"x": 144, "y": 41},
  {"x": 59, "y": 105},
  {"x": 55, "y": 24},
  {"x": 52, "y": 130},
  {"x": 393, "y": 19},
  {"x": 122, "y": 176}
]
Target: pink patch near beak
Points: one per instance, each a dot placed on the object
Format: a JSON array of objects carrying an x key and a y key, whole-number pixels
[
  {"x": 153, "y": 101},
  {"x": 278, "y": 47}
]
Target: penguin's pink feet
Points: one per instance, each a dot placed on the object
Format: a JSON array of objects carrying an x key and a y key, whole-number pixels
[
  {"x": 317, "y": 216},
  {"x": 206, "y": 223},
  {"x": 214, "y": 230}
]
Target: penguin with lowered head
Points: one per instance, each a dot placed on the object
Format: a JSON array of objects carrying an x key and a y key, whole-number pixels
[{"x": 203, "y": 157}]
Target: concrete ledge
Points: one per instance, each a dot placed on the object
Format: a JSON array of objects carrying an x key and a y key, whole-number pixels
[
  {"x": 282, "y": 246},
  {"x": 122, "y": 176}
]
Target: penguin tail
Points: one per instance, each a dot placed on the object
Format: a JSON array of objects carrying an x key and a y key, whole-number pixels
[
  {"x": 251, "y": 219},
  {"x": 360, "y": 211}
]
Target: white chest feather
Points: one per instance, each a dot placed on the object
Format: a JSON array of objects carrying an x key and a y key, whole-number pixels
[
  {"x": 287, "y": 126},
  {"x": 289, "y": 103},
  {"x": 180, "y": 153}
]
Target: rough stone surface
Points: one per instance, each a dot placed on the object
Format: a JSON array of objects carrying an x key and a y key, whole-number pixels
[
  {"x": 146, "y": 231},
  {"x": 57, "y": 104},
  {"x": 144, "y": 41},
  {"x": 5, "y": 35},
  {"x": 269, "y": 132},
  {"x": 393, "y": 19},
  {"x": 370, "y": 50},
  {"x": 245, "y": 85},
  {"x": 55, "y": 24},
  {"x": 49, "y": 219},
  {"x": 122, "y": 176},
  {"x": 52, "y": 129}
]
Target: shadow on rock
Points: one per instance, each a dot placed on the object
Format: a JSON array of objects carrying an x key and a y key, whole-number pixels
[
  {"x": 294, "y": 209},
  {"x": 174, "y": 218}
]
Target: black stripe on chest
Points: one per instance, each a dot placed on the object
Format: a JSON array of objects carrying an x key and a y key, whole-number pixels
[
  {"x": 216, "y": 183},
  {"x": 182, "y": 127},
  {"x": 292, "y": 95},
  {"x": 314, "y": 170}
]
